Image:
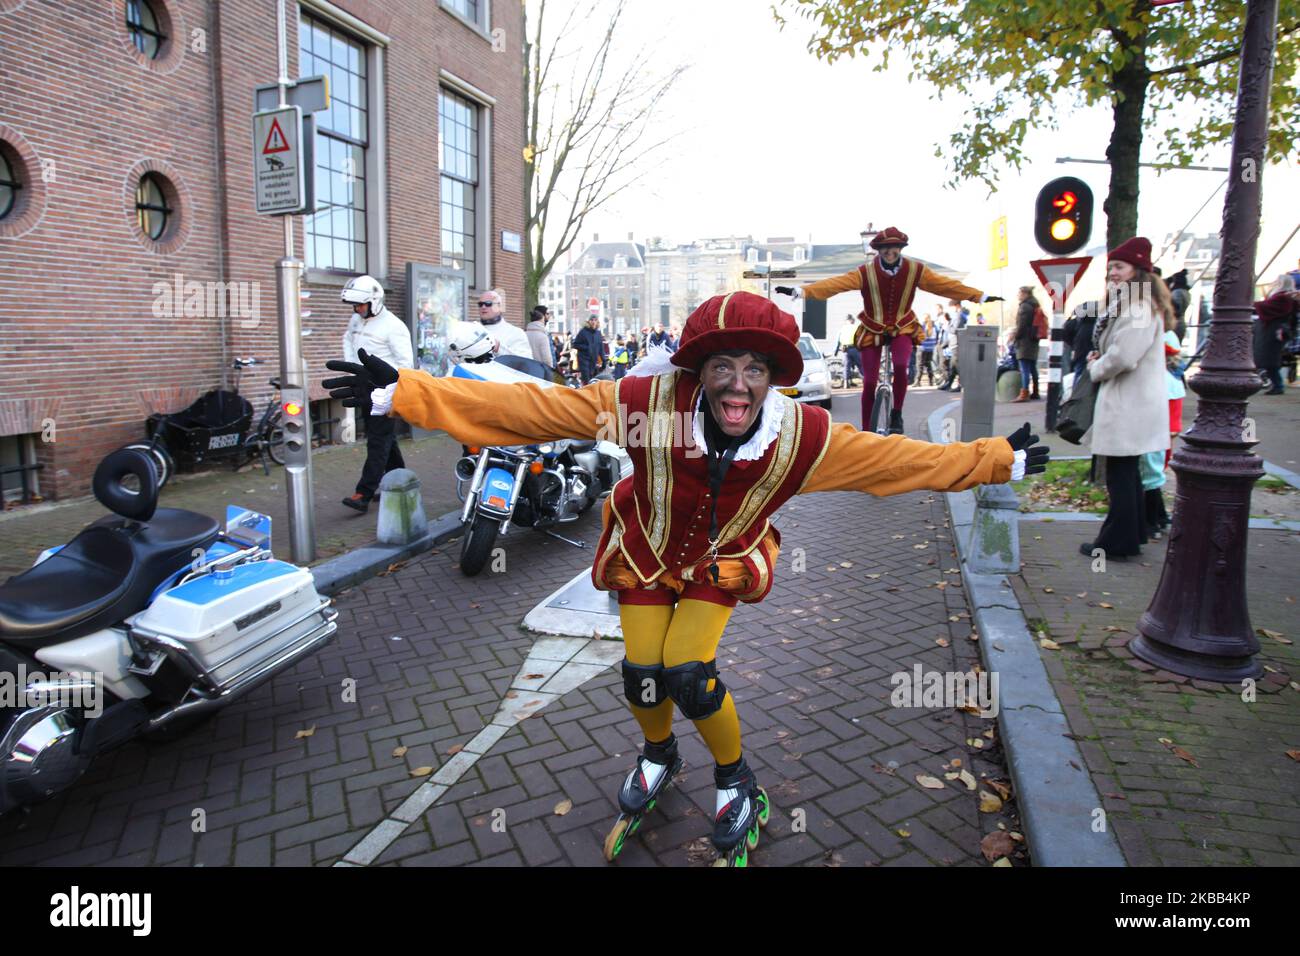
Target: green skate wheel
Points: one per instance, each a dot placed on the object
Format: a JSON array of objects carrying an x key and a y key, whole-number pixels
[
  {"x": 650, "y": 806},
  {"x": 742, "y": 858},
  {"x": 751, "y": 838},
  {"x": 764, "y": 807}
]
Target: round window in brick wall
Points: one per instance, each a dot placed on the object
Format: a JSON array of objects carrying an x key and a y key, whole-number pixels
[
  {"x": 10, "y": 183},
  {"x": 153, "y": 210},
  {"x": 22, "y": 184},
  {"x": 146, "y": 29}
]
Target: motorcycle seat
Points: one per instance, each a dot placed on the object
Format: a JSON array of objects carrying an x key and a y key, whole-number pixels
[{"x": 105, "y": 574}]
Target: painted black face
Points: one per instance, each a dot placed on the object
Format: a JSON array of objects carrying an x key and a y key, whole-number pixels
[{"x": 735, "y": 387}]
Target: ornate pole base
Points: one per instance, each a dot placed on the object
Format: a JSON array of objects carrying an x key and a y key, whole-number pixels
[{"x": 1198, "y": 623}]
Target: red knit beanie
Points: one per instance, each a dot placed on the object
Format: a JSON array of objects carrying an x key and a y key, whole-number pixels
[{"x": 1136, "y": 252}]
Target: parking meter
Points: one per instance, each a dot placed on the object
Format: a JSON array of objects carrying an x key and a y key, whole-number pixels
[{"x": 977, "y": 364}]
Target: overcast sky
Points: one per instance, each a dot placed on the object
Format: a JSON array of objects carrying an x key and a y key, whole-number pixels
[{"x": 773, "y": 142}]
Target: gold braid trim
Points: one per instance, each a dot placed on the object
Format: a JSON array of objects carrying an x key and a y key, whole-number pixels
[{"x": 777, "y": 470}]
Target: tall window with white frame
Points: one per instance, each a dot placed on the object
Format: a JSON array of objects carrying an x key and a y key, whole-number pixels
[
  {"x": 336, "y": 232},
  {"x": 459, "y": 155}
]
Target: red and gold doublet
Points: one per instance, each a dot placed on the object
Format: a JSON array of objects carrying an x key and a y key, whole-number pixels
[{"x": 657, "y": 519}]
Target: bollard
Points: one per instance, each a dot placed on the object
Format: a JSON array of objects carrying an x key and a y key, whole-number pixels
[
  {"x": 401, "y": 510},
  {"x": 995, "y": 531},
  {"x": 977, "y": 363}
]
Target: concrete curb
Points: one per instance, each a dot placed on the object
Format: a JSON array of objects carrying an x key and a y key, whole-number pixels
[
  {"x": 359, "y": 564},
  {"x": 1057, "y": 799}
]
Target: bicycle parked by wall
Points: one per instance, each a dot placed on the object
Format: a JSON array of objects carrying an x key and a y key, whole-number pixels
[{"x": 218, "y": 427}]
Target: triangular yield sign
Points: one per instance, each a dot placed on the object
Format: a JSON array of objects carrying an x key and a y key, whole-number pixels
[
  {"x": 1060, "y": 276},
  {"x": 275, "y": 140}
]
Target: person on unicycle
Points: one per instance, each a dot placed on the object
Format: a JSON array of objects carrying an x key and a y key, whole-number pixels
[{"x": 888, "y": 285}]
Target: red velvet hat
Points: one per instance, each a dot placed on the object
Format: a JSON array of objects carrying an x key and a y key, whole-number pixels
[
  {"x": 889, "y": 236},
  {"x": 742, "y": 320},
  {"x": 1136, "y": 252},
  {"x": 1275, "y": 307}
]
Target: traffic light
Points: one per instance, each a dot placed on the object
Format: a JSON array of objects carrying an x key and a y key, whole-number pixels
[{"x": 1063, "y": 216}]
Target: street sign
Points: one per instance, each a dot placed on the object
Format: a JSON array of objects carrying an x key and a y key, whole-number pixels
[
  {"x": 511, "y": 241},
  {"x": 998, "y": 258},
  {"x": 1060, "y": 276},
  {"x": 279, "y": 173},
  {"x": 310, "y": 94}
]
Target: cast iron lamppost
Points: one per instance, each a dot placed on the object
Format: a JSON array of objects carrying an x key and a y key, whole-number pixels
[{"x": 1198, "y": 623}]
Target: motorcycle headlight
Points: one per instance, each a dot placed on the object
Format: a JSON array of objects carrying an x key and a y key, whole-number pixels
[{"x": 545, "y": 449}]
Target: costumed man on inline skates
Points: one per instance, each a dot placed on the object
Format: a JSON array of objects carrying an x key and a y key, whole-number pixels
[
  {"x": 888, "y": 285},
  {"x": 716, "y": 451}
]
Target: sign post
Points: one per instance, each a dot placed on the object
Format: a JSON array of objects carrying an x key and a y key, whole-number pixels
[
  {"x": 1059, "y": 277},
  {"x": 284, "y": 170}
]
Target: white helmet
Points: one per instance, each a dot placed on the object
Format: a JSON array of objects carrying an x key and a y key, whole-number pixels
[
  {"x": 365, "y": 289},
  {"x": 470, "y": 343}
]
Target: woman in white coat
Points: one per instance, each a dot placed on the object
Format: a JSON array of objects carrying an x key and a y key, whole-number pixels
[{"x": 1132, "y": 412}]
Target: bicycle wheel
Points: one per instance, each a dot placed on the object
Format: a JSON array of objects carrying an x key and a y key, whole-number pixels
[
  {"x": 275, "y": 445},
  {"x": 162, "y": 461},
  {"x": 880, "y": 409}
]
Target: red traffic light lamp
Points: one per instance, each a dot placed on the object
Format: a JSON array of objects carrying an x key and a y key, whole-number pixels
[{"x": 1063, "y": 216}]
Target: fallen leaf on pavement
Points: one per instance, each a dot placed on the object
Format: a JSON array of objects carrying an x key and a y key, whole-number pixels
[
  {"x": 846, "y": 564},
  {"x": 941, "y": 641},
  {"x": 996, "y": 844},
  {"x": 1049, "y": 590},
  {"x": 967, "y": 778},
  {"x": 1105, "y": 605},
  {"x": 511, "y": 694},
  {"x": 1184, "y": 755},
  {"x": 305, "y": 733},
  {"x": 930, "y": 783},
  {"x": 400, "y": 752},
  {"x": 475, "y": 605},
  {"x": 1018, "y": 837},
  {"x": 881, "y": 768},
  {"x": 1293, "y": 754},
  {"x": 904, "y": 833},
  {"x": 955, "y": 762},
  {"x": 873, "y": 576},
  {"x": 533, "y": 676},
  {"x": 988, "y": 733},
  {"x": 951, "y": 776},
  {"x": 1049, "y": 644},
  {"x": 1002, "y": 787},
  {"x": 975, "y": 742},
  {"x": 563, "y": 807},
  {"x": 421, "y": 771},
  {"x": 455, "y": 749},
  {"x": 989, "y": 803},
  {"x": 1274, "y": 634},
  {"x": 1003, "y": 862}
]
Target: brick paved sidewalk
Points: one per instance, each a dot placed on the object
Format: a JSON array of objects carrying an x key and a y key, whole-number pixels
[
  {"x": 432, "y": 654},
  {"x": 1239, "y": 803},
  {"x": 26, "y": 532}
]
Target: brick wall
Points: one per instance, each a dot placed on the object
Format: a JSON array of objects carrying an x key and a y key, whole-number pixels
[{"x": 80, "y": 285}]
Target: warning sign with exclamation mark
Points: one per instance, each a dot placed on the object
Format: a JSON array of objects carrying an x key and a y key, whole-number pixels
[{"x": 277, "y": 160}]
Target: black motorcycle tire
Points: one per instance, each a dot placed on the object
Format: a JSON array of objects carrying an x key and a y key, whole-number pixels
[{"x": 476, "y": 544}]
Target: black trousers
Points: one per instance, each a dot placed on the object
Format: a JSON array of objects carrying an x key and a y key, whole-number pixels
[
  {"x": 1125, "y": 528},
  {"x": 382, "y": 453}
]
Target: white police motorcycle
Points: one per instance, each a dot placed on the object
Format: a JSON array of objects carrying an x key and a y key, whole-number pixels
[
  {"x": 147, "y": 621},
  {"x": 533, "y": 486}
]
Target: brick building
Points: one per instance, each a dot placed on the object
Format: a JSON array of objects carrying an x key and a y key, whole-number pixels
[{"x": 133, "y": 267}]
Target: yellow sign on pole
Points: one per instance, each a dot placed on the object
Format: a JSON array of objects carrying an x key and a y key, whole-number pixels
[{"x": 998, "y": 244}]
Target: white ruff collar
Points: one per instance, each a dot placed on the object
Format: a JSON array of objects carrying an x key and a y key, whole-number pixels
[{"x": 773, "y": 411}]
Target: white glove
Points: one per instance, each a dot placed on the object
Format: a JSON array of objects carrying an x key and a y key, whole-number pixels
[
  {"x": 1017, "y": 465},
  {"x": 381, "y": 400}
]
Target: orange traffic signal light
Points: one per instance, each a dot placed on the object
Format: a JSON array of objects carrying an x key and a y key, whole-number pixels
[{"x": 1063, "y": 216}]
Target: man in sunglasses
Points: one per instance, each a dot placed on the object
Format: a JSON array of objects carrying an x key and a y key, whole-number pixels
[{"x": 510, "y": 339}]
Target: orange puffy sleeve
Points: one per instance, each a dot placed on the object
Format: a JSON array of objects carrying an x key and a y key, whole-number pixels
[
  {"x": 506, "y": 413},
  {"x": 890, "y": 465}
]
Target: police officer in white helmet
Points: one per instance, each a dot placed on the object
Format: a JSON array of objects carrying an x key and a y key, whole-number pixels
[{"x": 382, "y": 334}]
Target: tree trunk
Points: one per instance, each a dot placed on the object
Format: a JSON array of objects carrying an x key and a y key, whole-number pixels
[{"x": 1125, "y": 149}]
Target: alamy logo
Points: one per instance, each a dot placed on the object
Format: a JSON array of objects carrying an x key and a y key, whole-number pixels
[
  {"x": 74, "y": 909},
  {"x": 23, "y": 688},
  {"x": 207, "y": 300},
  {"x": 951, "y": 689}
]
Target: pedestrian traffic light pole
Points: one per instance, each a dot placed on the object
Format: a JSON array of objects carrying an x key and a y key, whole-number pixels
[
  {"x": 1198, "y": 623},
  {"x": 296, "y": 409}
]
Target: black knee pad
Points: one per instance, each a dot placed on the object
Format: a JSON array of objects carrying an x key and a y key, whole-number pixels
[
  {"x": 643, "y": 684},
  {"x": 687, "y": 685}
]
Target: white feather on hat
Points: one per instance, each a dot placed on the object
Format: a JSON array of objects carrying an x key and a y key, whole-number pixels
[{"x": 658, "y": 361}]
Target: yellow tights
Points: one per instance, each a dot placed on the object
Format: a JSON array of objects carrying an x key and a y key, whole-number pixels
[{"x": 660, "y": 634}]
